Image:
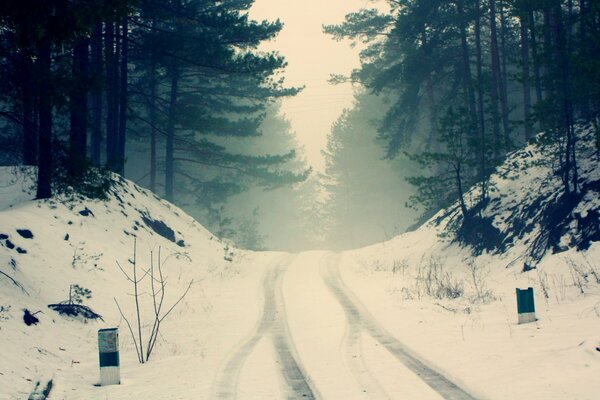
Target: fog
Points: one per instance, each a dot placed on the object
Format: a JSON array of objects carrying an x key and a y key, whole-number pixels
[{"x": 312, "y": 57}]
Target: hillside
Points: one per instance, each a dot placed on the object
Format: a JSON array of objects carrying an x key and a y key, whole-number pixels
[
  {"x": 449, "y": 302},
  {"x": 46, "y": 246},
  {"x": 451, "y": 297},
  {"x": 528, "y": 206}
]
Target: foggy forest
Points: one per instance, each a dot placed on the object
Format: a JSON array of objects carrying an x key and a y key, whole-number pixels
[
  {"x": 158, "y": 135},
  {"x": 178, "y": 97}
]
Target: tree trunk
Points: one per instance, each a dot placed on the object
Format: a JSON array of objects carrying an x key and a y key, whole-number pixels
[
  {"x": 78, "y": 110},
  {"x": 169, "y": 167},
  {"x": 28, "y": 103},
  {"x": 466, "y": 63},
  {"x": 461, "y": 194},
  {"x": 525, "y": 74},
  {"x": 153, "y": 147},
  {"x": 433, "y": 112},
  {"x": 495, "y": 81},
  {"x": 111, "y": 116},
  {"x": 563, "y": 89},
  {"x": 569, "y": 93},
  {"x": 480, "y": 104},
  {"x": 536, "y": 58},
  {"x": 547, "y": 58},
  {"x": 96, "y": 97},
  {"x": 44, "y": 181},
  {"x": 152, "y": 115},
  {"x": 123, "y": 99},
  {"x": 503, "y": 88}
]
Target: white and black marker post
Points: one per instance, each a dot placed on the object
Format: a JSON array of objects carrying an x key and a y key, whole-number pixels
[
  {"x": 526, "y": 306},
  {"x": 108, "y": 346}
]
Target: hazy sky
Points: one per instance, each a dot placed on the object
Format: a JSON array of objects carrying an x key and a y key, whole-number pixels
[{"x": 312, "y": 57}]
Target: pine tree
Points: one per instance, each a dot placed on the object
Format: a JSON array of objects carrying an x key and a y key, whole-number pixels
[
  {"x": 218, "y": 87},
  {"x": 34, "y": 31},
  {"x": 442, "y": 186},
  {"x": 365, "y": 193},
  {"x": 423, "y": 50}
]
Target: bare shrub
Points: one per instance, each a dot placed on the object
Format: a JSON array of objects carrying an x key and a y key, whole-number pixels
[
  {"x": 543, "y": 282},
  {"x": 399, "y": 266},
  {"x": 579, "y": 274},
  {"x": 478, "y": 274},
  {"x": 593, "y": 269},
  {"x": 419, "y": 279},
  {"x": 378, "y": 266},
  {"x": 158, "y": 286},
  {"x": 80, "y": 258},
  {"x": 436, "y": 281},
  {"x": 373, "y": 265},
  {"x": 406, "y": 293},
  {"x": 560, "y": 287}
]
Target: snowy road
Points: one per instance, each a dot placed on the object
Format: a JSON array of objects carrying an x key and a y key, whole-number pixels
[
  {"x": 359, "y": 319},
  {"x": 273, "y": 322},
  {"x": 315, "y": 340}
]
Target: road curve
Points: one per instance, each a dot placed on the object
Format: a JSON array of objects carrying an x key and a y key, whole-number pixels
[
  {"x": 273, "y": 322},
  {"x": 357, "y": 314}
]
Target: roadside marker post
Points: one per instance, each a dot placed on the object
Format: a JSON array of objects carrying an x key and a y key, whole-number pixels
[
  {"x": 108, "y": 348},
  {"x": 526, "y": 305}
]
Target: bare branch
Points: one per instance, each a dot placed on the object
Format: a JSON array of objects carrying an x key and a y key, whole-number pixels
[
  {"x": 157, "y": 319},
  {"x": 157, "y": 291},
  {"x": 17, "y": 284},
  {"x": 137, "y": 301},
  {"x": 124, "y": 273},
  {"x": 130, "y": 330},
  {"x": 178, "y": 301}
]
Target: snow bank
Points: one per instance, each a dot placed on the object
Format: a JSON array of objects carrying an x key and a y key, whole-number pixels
[
  {"x": 474, "y": 338},
  {"x": 46, "y": 246}
]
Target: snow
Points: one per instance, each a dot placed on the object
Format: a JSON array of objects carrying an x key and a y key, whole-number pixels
[
  {"x": 271, "y": 325},
  {"x": 16, "y": 186},
  {"x": 484, "y": 347},
  {"x": 65, "y": 349}
]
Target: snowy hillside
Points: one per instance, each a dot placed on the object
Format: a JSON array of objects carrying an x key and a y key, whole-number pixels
[
  {"x": 456, "y": 305},
  {"x": 423, "y": 316},
  {"x": 46, "y": 246},
  {"x": 529, "y": 208}
]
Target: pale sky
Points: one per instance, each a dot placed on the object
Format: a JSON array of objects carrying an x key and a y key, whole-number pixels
[{"x": 312, "y": 56}]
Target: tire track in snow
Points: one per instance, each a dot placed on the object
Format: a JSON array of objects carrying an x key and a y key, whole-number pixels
[
  {"x": 292, "y": 371},
  {"x": 273, "y": 321},
  {"x": 353, "y": 307},
  {"x": 352, "y": 344},
  {"x": 228, "y": 382}
]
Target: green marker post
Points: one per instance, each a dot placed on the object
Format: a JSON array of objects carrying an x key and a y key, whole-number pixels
[
  {"x": 526, "y": 305},
  {"x": 108, "y": 347}
]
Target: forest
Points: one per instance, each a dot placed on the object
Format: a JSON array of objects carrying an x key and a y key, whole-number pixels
[
  {"x": 468, "y": 82},
  {"x": 178, "y": 96},
  {"x": 165, "y": 88}
]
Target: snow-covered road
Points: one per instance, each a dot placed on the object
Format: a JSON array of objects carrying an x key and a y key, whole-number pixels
[
  {"x": 273, "y": 323},
  {"x": 270, "y": 325},
  {"x": 315, "y": 339}
]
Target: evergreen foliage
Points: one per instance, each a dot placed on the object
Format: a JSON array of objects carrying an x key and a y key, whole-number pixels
[
  {"x": 365, "y": 194},
  {"x": 92, "y": 83},
  {"x": 453, "y": 66},
  {"x": 287, "y": 211}
]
